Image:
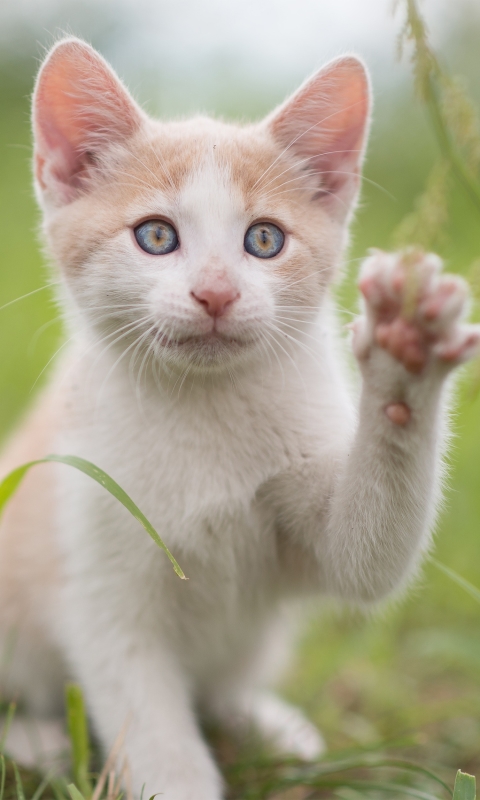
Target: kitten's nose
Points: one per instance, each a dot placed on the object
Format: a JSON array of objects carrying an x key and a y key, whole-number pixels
[{"x": 214, "y": 301}]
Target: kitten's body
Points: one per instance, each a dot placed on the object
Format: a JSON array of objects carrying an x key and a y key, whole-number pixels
[
  {"x": 233, "y": 429},
  {"x": 220, "y": 523}
]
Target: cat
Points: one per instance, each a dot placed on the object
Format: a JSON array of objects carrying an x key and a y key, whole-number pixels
[{"x": 206, "y": 374}]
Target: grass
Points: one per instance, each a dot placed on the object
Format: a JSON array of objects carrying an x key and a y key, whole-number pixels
[
  {"x": 11, "y": 482},
  {"x": 402, "y": 685},
  {"x": 252, "y": 775}
]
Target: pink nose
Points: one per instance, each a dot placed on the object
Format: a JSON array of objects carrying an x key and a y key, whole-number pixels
[{"x": 216, "y": 302}]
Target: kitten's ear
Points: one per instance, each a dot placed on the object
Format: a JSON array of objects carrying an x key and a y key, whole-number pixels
[
  {"x": 79, "y": 107},
  {"x": 325, "y": 124}
]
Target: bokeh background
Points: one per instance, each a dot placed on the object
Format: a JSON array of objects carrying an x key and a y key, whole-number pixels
[{"x": 409, "y": 676}]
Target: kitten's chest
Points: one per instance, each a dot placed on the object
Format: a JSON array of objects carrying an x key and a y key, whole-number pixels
[
  {"x": 194, "y": 466},
  {"x": 195, "y": 463}
]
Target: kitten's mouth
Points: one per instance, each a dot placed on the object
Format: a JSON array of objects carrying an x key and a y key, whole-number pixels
[
  {"x": 209, "y": 350},
  {"x": 213, "y": 339}
]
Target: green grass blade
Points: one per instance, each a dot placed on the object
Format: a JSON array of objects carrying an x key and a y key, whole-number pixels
[
  {"x": 59, "y": 788},
  {"x": 41, "y": 787},
  {"x": 376, "y": 763},
  {"x": 8, "y": 721},
  {"x": 456, "y": 578},
  {"x": 376, "y": 786},
  {"x": 74, "y": 793},
  {"x": 465, "y": 788},
  {"x": 18, "y": 783},
  {"x": 2, "y": 776},
  {"x": 301, "y": 773},
  {"x": 11, "y": 482},
  {"x": 78, "y": 732}
]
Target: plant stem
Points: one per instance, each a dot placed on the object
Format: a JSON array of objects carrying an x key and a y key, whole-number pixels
[
  {"x": 430, "y": 71},
  {"x": 446, "y": 145}
]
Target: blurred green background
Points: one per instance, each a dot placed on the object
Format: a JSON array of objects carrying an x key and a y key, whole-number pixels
[{"x": 412, "y": 672}]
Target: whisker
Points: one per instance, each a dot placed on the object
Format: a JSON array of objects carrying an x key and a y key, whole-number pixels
[
  {"x": 29, "y": 294},
  {"x": 269, "y": 343},
  {"x": 157, "y": 178},
  {"x": 124, "y": 331},
  {"x": 297, "y": 164},
  {"x": 133, "y": 357},
  {"x": 138, "y": 180},
  {"x": 116, "y": 363},
  {"x": 308, "y": 350},
  {"x": 64, "y": 344},
  {"x": 289, "y": 285},
  {"x": 163, "y": 165},
  {"x": 299, "y": 331},
  {"x": 300, "y": 135},
  {"x": 39, "y": 332},
  {"x": 295, "y": 365},
  {"x": 312, "y": 173},
  {"x": 301, "y": 189},
  {"x": 355, "y": 174}
]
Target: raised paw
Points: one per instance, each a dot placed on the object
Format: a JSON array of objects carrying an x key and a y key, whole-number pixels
[{"x": 414, "y": 312}]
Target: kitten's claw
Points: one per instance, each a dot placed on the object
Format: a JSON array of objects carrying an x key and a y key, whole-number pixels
[{"x": 414, "y": 312}]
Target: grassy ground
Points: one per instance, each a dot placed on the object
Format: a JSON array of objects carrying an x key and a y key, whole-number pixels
[{"x": 406, "y": 681}]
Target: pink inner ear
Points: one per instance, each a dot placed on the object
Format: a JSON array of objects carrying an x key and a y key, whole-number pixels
[
  {"x": 325, "y": 124},
  {"x": 79, "y": 106}
]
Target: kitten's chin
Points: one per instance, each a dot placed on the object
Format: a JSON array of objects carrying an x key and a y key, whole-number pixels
[{"x": 212, "y": 351}]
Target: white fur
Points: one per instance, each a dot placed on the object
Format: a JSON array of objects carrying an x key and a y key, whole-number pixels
[{"x": 252, "y": 462}]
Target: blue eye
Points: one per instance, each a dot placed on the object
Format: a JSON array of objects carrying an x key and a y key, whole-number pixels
[
  {"x": 264, "y": 240},
  {"x": 156, "y": 236}
]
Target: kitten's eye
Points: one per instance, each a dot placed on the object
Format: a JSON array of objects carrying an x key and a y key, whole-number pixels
[
  {"x": 156, "y": 236},
  {"x": 264, "y": 240}
]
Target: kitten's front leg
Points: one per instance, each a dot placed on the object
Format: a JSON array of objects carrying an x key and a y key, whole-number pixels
[
  {"x": 384, "y": 502},
  {"x": 133, "y": 683}
]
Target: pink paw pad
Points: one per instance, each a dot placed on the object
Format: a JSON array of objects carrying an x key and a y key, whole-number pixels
[
  {"x": 414, "y": 312},
  {"x": 398, "y": 413}
]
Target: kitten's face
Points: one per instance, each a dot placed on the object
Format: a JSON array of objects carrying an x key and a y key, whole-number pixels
[{"x": 195, "y": 243}]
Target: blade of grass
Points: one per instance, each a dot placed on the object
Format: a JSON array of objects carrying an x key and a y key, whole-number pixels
[
  {"x": 368, "y": 761},
  {"x": 10, "y": 715},
  {"x": 465, "y": 788},
  {"x": 375, "y": 786},
  {"x": 109, "y": 763},
  {"x": 127, "y": 779},
  {"x": 18, "y": 783},
  {"x": 2, "y": 778},
  {"x": 41, "y": 787},
  {"x": 429, "y": 76},
  {"x": 78, "y": 732},
  {"x": 399, "y": 764},
  {"x": 59, "y": 788},
  {"x": 12, "y": 481},
  {"x": 459, "y": 580},
  {"x": 75, "y": 794}
]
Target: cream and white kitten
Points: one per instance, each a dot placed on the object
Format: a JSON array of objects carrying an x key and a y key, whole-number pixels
[{"x": 206, "y": 376}]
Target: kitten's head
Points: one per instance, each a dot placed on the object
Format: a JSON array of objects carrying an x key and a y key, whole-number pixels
[{"x": 198, "y": 241}]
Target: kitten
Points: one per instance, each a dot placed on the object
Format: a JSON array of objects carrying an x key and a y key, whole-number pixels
[{"x": 206, "y": 376}]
